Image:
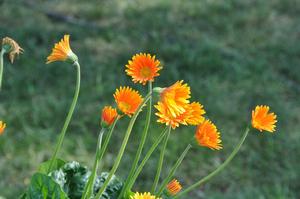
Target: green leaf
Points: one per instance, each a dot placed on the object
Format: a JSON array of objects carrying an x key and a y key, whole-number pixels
[
  {"x": 57, "y": 164},
  {"x": 44, "y": 187}
]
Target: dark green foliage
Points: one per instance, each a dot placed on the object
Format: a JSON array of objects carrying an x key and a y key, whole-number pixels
[{"x": 44, "y": 187}]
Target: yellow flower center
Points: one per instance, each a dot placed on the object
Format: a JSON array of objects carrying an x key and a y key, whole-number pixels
[
  {"x": 124, "y": 106},
  {"x": 145, "y": 72}
]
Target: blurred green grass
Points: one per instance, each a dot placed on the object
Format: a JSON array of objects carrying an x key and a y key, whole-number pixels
[{"x": 234, "y": 54}]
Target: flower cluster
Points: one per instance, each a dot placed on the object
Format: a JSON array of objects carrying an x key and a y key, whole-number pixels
[{"x": 174, "y": 108}]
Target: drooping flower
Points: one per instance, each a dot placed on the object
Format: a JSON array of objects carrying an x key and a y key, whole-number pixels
[
  {"x": 192, "y": 115},
  {"x": 143, "y": 68},
  {"x": 109, "y": 114},
  {"x": 2, "y": 127},
  {"x": 62, "y": 51},
  {"x": 195, "y": 113},
  {"x": 128, "y": 100},
  {"x": 12, "y": 48},
  {"x": 207, "y": 135},
  {"x": 143, "y": 196},
  {"x": 263, "y": 120},
  {"x": 176, "y": 97},
  {"x": 174, "y": 107},
  {"x": 174, "y": 187}
]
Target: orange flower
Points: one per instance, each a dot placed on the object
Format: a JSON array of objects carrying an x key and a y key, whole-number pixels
[
  {"x": 143, "y": 196},
  {"x": 143, "y": 68},
  {"x": 2, "y": 127},
  {"x": 207, "y": 135},
  {"x": 195, "y": 113},
  {"x": 128, "y": 100},
  {"x": 12, "y": 48},
  {"x": 174, "y": 187},
  {"x": 109, "y": 114},
  {"x": 176, "y": 97},
  {"x": 192, "y": 115},
  {"x": 62, "y": 51},
  {"x": 263, "y": 120}
]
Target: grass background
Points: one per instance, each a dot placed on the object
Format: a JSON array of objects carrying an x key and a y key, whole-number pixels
[{"x": 234, "y": 54}]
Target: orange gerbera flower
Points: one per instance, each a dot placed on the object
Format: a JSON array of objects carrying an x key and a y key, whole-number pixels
[
  {"x": 262, "y": 119},
  {"x": 195, "y": 113},
  {"x": 207, "y": 135},
  {"x": 174, "y": 187},
  {"x": 143, "y": 196},
  {"x": 192, "y": 115},
  {"x": 176, "y": 97},
  {"x": 128, "y": 100},
  {"x": 143, "y": 68},
  {"x": 109, "y": 114},
  {"x": 2, "y": 127},
  {"x": 62, "y": 51}
]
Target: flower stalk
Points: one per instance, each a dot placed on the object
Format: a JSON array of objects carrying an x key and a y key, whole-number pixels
[
  {"x": 146, "y": 158},
  {"x": 173, "y": 170},
  {"x": 218, "y": 170},
  {"x": 123, "y": 146},
  {"x": 3, "y": 51},
  {"x": 88, "y": 191},
  {"x": 68, "y": 119},
  {"x": 161, "y": 160},
  {"x": 141, "y": 145}
]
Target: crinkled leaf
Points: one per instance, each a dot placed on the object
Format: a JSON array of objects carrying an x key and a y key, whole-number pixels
[
  {"x": 57, "y": 164},
  {"x": 44, "y": 187}
]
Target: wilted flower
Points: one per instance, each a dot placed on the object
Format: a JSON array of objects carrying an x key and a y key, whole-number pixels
[
  {"x": 2, "y": 127},
  {"x": 128, "y": 100},
  {"x": 174, "y": 187},
  {"x": 109, "y": 114},
  {"x": 143, "y": 196},
  {"x": 12, "y": 48},
  {"x": 207, "y": 135},
  {"x": 143, "y": 68},
  {"x": 262, "y": 119},
  {"x": 62, "y": 51}
]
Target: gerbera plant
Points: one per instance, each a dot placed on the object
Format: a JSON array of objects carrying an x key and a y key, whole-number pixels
[{"x": 58, "y": 179}]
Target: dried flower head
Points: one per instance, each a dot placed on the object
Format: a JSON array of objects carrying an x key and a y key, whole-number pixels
[
  {"x": 207, "y": 135},
  {"x": 2, "y": 127},
  {"x": 109, "y": 114},
  {"x": 128, "y": 100},
  {"x": 263, "y": 120},
  {"x": 143, "y": 196},
  {"x": 12, "y": 48},
  {"x": 174, "y": 187},
  {"x": 62, "y": 51},
  {"x": 143, "y": 68}
]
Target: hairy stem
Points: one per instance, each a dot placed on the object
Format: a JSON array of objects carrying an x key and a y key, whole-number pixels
[
  {"x": 68, "y": 119},
  {"x": 141, "y": 145},
  {"x": 218, "y": 170},
  {"x": 123, "y": 146}
]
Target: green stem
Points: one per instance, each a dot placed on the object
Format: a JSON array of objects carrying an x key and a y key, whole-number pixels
[
  {"x": 161, "y": 160},
  {"x": 173, "y": 170},
  {"x": 141, "y": 145},
  {"x": 68, "y": 119},
  {"x": 100, "y": 156},
  {"x": 147, "y": 156},
  {"x": 123, "y": 146},
  {"x": 219, "y": 169},
  {"x": 89, "y": 185},
  {"x": 3, "y": 51}
]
